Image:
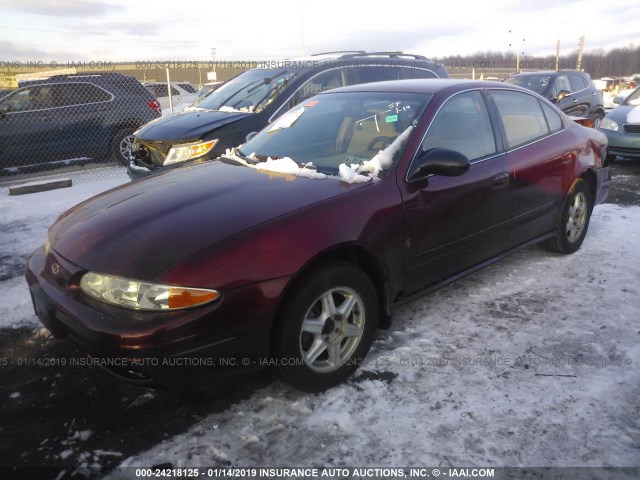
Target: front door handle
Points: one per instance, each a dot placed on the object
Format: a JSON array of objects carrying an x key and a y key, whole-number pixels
[{"x": 501, "y": 180}]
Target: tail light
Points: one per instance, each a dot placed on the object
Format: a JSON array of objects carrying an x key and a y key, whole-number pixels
[{"x": 155, "y": 106}]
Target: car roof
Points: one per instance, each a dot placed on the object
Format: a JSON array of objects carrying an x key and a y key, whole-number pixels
[
  {"x": 429, "y": 85},
  {"x": 350, "y": 57}
]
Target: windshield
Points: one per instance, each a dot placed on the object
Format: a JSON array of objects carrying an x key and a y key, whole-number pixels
[
  {"x": 536, "y": 83},
  {"x": 250, "y": 91},
  {"x": 337, "y": 129}
]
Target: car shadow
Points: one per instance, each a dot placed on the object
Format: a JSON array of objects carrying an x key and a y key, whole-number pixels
[{"x": 86, "y": 416}]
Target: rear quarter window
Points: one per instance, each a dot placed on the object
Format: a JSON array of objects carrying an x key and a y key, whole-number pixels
[{"x": 417, "y": 73}]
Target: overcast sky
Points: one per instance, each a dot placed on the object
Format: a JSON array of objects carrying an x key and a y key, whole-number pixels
[{"x": 116, "y": 30}]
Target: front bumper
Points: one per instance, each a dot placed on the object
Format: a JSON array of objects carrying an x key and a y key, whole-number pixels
[
  {"x": 228, "y": 337},
  {"x": 622, "y": 143}
]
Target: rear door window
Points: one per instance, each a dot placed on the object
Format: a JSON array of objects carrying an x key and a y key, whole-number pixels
[
  {"x": 522, "y": 117},
  {"x": 320, "y": 83},
  {"x": 577, "y": 83}
]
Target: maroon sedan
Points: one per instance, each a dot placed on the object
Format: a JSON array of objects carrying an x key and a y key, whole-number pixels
[{"x": 293, "y": 249}]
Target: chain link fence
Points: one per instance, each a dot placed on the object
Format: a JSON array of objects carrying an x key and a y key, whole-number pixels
[{"x": 81, "y": 116}]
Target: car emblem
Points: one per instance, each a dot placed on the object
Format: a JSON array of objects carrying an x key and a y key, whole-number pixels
[{"x": 55, "y": 268}]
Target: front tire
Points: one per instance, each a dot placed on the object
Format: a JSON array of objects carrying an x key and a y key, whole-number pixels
[
  {"x": 573, "y": 222},
  {"x": 326, "y": 328}
]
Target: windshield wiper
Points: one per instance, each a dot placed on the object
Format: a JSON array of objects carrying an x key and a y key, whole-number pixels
[{"x": 273, "y": 90}]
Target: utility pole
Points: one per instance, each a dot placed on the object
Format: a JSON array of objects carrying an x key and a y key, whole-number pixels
[
  {"x": 558, "y": 55},
  {"x": 580, "y": 50},
  {"x": 519, "y": 51}
]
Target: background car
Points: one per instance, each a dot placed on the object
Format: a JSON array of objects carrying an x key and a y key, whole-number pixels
[
  {"x": 208, "y": 87},
  {"x": 622, "y": 127},
  {"x": 255, "y": 98},
  {"x": 183, "y": 94},
  {"x": 293, "y": 249},
  {"x": 571, "y": 90},
  {"x": 72, "y": 117}
]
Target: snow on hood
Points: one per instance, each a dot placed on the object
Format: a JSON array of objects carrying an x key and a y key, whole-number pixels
[{"x": 634, "y": 115}]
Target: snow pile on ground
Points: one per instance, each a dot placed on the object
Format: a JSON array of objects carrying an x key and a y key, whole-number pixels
[
  {"x": 24, "y": 224},
  {"x": 370, "y": 169}
]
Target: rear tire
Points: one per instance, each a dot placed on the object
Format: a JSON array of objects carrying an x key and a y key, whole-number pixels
[
  {"x": 326, "y": 327},
  {"x": 121, "y": 145},
  {"x": 573, "y": 222}
]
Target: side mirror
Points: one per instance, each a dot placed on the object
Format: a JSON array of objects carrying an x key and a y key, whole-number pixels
[
  {"x": 617, "y": 100},
  {"x": 250, "y": 136},
  {"x": 562, "y": 94},
  {"x": 438, "y": 161}
]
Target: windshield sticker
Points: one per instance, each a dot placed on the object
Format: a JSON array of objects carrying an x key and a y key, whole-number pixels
[
  {"x": 312, "y": 103},
  {"x": 391, "y": 118},
  {"x": 287, "y": 119}
]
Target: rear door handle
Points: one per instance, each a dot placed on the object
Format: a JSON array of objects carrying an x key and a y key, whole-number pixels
[{"x": 501, "y": 180}]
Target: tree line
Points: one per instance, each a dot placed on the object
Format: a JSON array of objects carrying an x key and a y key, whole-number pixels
[{"x": 618, "y": 62}]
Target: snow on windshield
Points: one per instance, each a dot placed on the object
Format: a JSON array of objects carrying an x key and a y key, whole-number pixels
[
  {"x": 367, "y": 171},
  {"x": 279, "y": 165},
  {"x": 228, "y": 109},
  {"x": 287, "y": 165},
  {"x": 370, "y": 170}
]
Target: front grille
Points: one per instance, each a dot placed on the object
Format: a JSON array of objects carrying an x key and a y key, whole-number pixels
[{"x": 632, "y": 128}]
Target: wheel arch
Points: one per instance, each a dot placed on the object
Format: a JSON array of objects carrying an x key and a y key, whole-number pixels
[{"x": 360, "y": 257}]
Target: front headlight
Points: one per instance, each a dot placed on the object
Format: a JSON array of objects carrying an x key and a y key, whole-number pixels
[
  {"x": 182, "y": 153},
  {"x": 140, "y": 295},
  {"x": 609, "y": 124}
]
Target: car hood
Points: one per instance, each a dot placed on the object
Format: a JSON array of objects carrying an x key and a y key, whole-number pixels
[
  {"x": 188, "y": 125},
  {"x": 142, "y": 229},
  {"x": 625, "y": 114}
]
